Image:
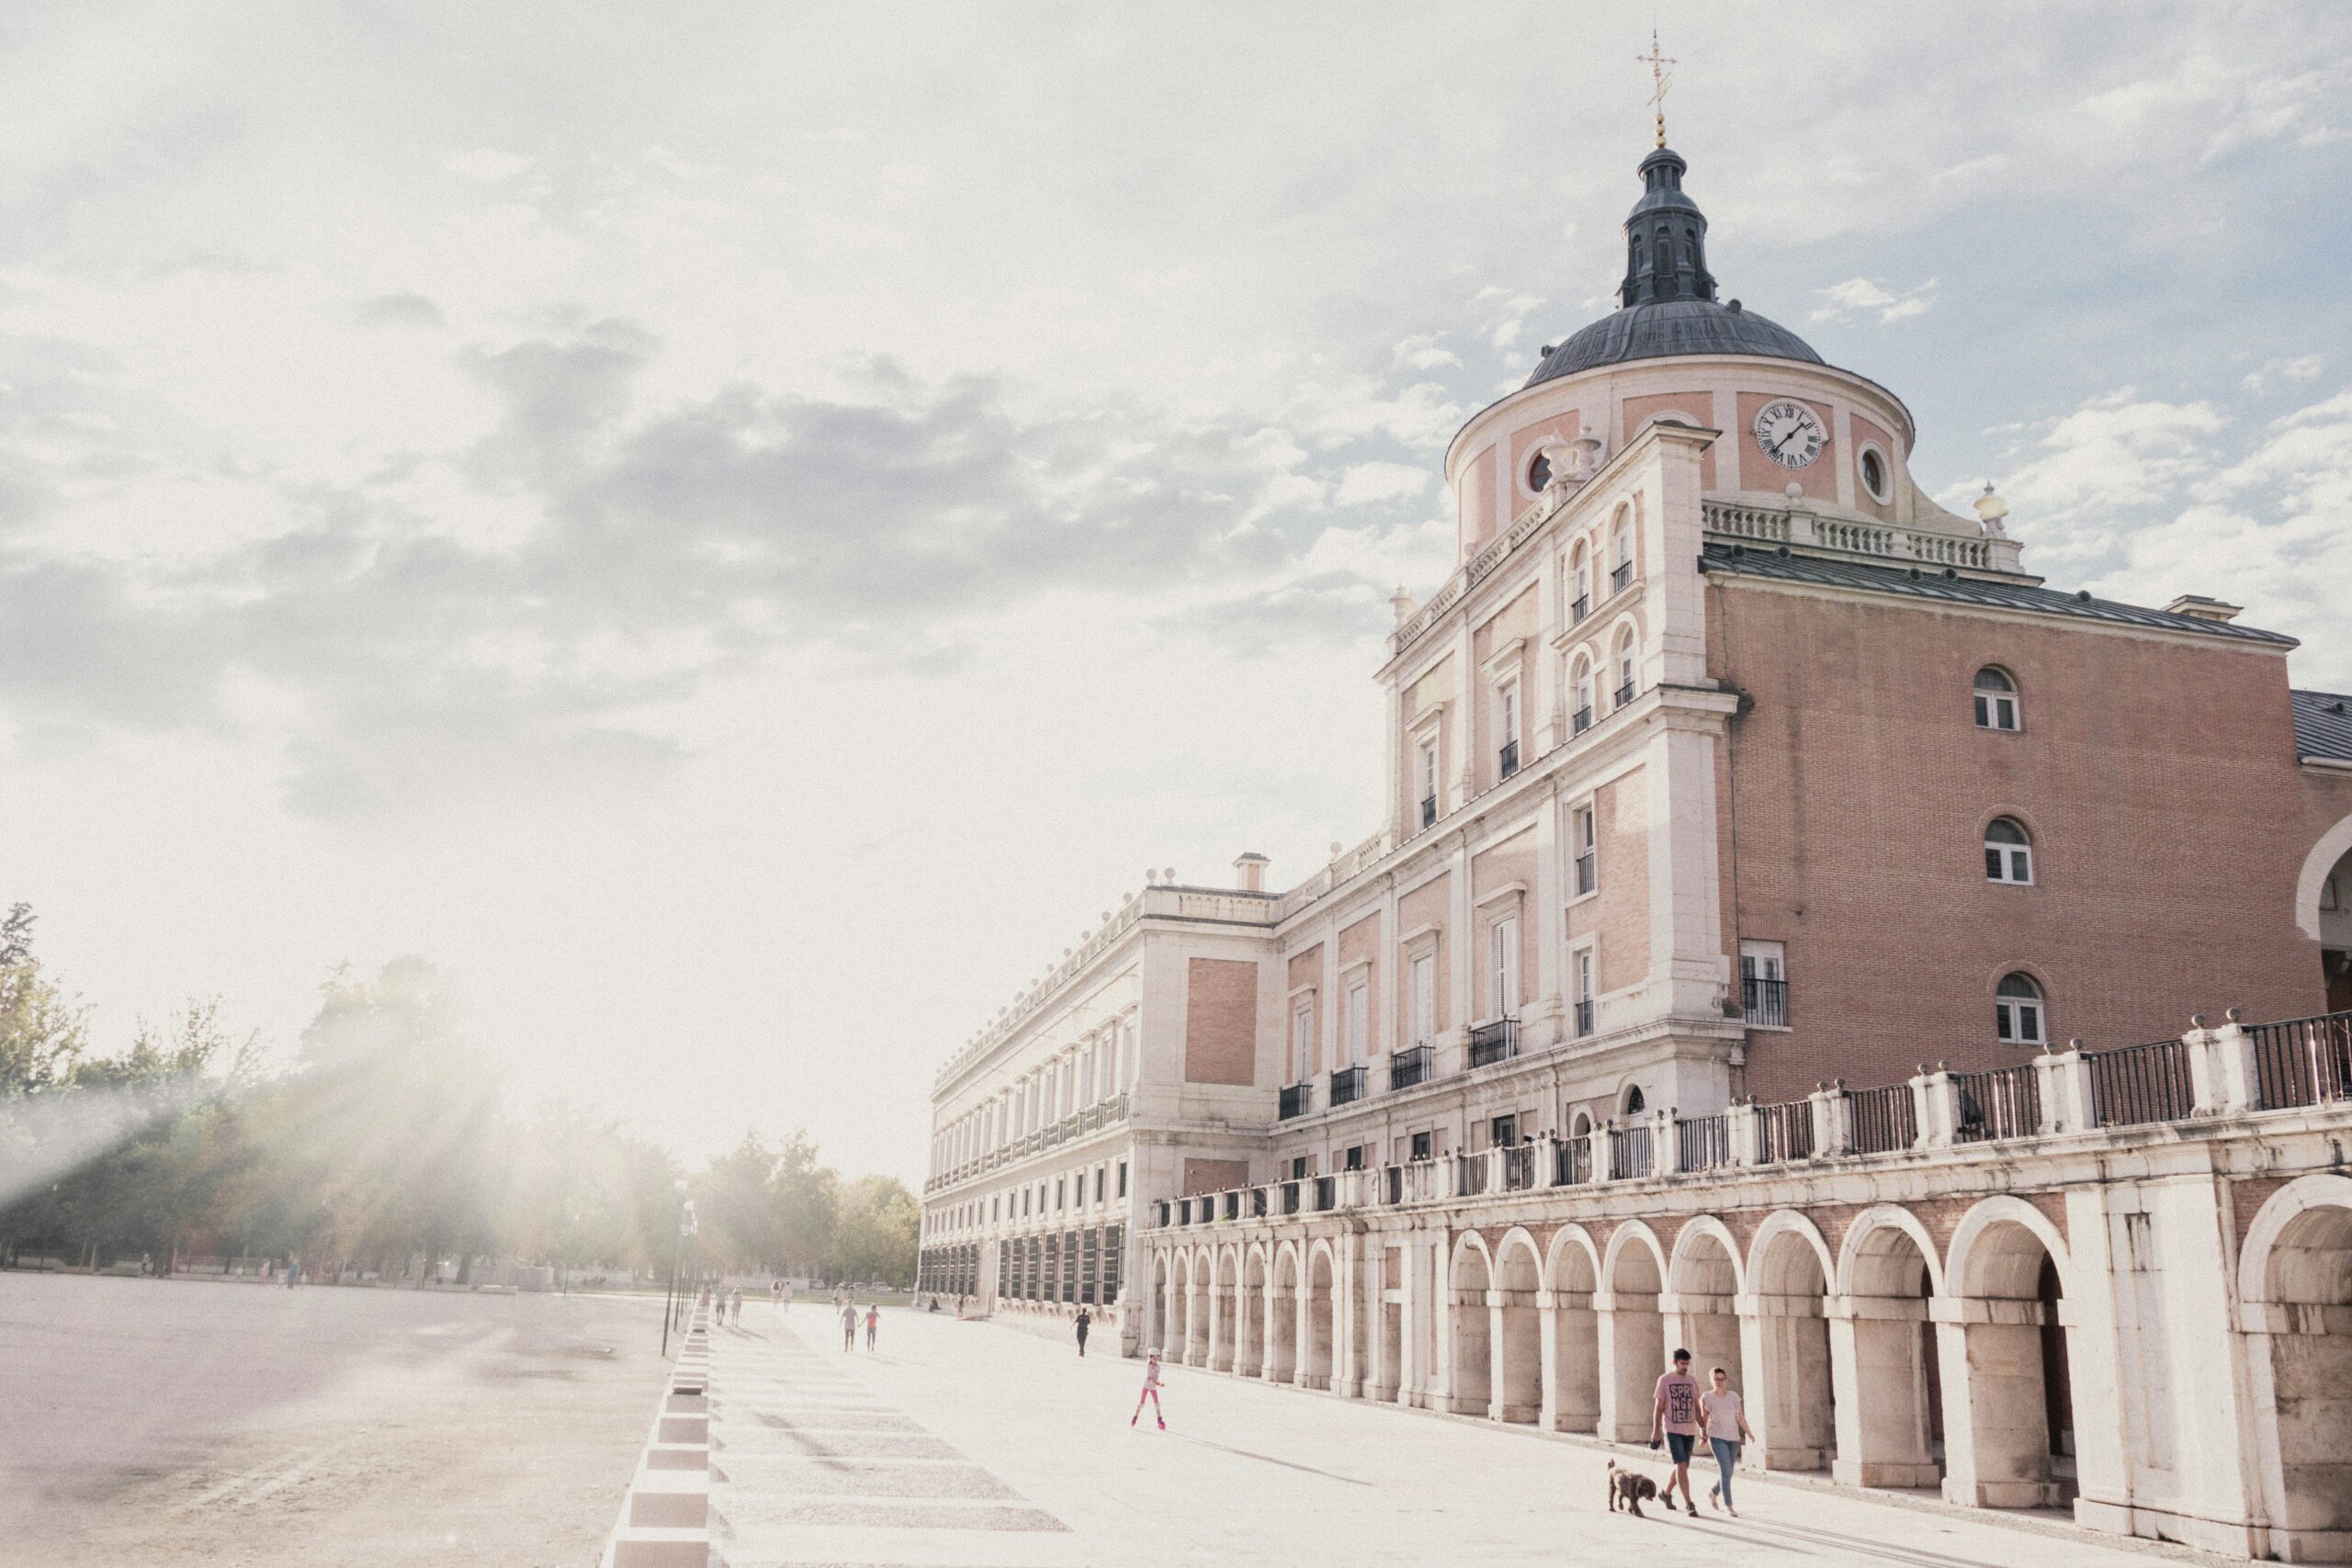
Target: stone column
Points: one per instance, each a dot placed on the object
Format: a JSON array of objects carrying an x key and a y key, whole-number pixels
[
  {"x": 1833, "y": 1119},
  {"x": 1547, "y": 1348}
]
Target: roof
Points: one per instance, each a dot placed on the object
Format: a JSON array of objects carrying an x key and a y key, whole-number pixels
[
  {"x": 2323, "y": 724},
  {"x": 1924, "y": 583},
  {"x": 1671, "y": 327}
]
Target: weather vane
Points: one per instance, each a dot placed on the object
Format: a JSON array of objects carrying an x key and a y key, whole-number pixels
[{"x": 1657, "y": 64}]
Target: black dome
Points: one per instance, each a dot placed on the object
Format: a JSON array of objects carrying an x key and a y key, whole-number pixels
[{"x": 1670, "y": 327}]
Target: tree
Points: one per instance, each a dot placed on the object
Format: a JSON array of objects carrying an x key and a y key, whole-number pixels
[{"x": 879, "y": 1232}]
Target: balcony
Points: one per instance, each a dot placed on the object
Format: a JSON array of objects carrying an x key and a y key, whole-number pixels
[
  {"x": 1407, "y": 1067},
  {"x": 1492, "y": 1042},
  {"x": 1347, "y": 1086},
  {"x": 1429, "y": 811},
  {"x": 1507, "y": 762},
  {"x": 1764, "y": 1003},
  {"x": 1580, "y": 609},
  {"x": 1624, "y": 693},
  {"x": 1584, "y": 1018},
  {"x": 1583, "y": 719},
  {"x": 1587, "y": 874},
  {"x": 1620, "y": 575},
  {"x": 1298, "y": 1098}
]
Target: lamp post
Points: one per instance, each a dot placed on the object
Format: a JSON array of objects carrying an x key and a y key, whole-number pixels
[{"x": 677, "y": 1253}]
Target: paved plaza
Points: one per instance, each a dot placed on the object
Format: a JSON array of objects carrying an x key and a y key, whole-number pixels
[{"x": 984, "y": 1446}]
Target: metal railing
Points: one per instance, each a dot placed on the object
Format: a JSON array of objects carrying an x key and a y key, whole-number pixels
[
  {"x": 1326, "y": 1193},
  {"x": 2303, "y": 1061},
  {"x": 1624, "y": 693},
  {"x": 1784, "y": 1132},
  {"x": 1579, "y": 608},
  {"x": 1584, "y": 1017},
  {"x": 1289, "y": 1197},
  {"x": 1582, "y": 721},
  {"x": 1507, "y": 760},
  {"x": 1298, "y": 1098},
  {"x": 1469, "y": 1174},
  {"x": 1519, "y": 1167},
  {"x": 1429, "y": 811},
  {"x": 1884, "y": 1119},
  {"x": 1629, "y": 1151},
  {"x": 1764, "y": 1002},
  {"x": 1571, "y": 1162},
  {"x": 2134, "y": 1083},
  {"x": 1347, "y": 1086},
  {"x": 1620, "y": 575},
  {"x": 1409, "y": 1066},
  {"x": 1588, "y": 872},
  {"x": 2003, "y": 1104},
  {"x": 1702, "y": 1143},
  {"x": 1494, "y": 1042}
]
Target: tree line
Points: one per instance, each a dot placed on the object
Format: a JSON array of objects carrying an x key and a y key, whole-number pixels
[{"x": 385, "y": 1144}]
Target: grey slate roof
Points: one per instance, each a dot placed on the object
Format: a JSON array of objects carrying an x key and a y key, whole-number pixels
[
  {"x": 1931, "y": 584},
  {"x": 2323, "y": 724},
  {"x": 1667, "y": 328}
]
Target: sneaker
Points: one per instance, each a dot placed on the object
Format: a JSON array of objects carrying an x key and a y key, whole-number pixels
[
  {"x": 1163, "y": 1425},
  {"x": 1690, "y": 1507}
]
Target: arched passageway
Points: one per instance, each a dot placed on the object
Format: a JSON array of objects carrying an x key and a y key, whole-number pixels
[
  {"x": 1155, "y": 1328},
  {"x": 1706, "y": 1308},
  {"x": 1250, "y": 1347},
  {"x": 1518, "y": 1331},
  {"x": 1178, "y": 1345},
  {"x": 1473, "y": 1385},
  {"x": 1575, "y": 1372},
  {"x": 1881, "y": 1342},
  {"x": 1322, "y": 1299},
  {"x": 2009, "y": 1424},
  {"x": 1389, "y": 1379},
  {"x": 1791, "y": 1402},
  {"x": 1222, "y": 1270},
  {"x": 1632, "y": 1335},
  {"x": 2299, "y": 1285},
  {"x": 1282, "y": 1319}
]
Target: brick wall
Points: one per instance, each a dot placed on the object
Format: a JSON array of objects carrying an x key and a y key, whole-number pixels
[{"x": 1221, "y": 1021}]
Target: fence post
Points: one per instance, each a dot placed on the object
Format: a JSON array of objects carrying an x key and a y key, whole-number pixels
[
  {"x": 2221, "y": 1066},
  {"x": 1931, "y": 1105},
  {"x": 1833, "y": 1119},
  {"x": 1495, "y": 1167},
  {"x": 1599, "y": 1158},
  {"x": 1740, "y": 1133},
  {"x": 2080, "y": 1099},
  {"x": 2049, "y": 1083}
]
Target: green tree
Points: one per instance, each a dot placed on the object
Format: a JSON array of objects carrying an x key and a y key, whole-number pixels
[{"x": 877, "y": 1232}]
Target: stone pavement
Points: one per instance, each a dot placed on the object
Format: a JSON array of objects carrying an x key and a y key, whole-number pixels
[{"x": 971, "y": 1445}]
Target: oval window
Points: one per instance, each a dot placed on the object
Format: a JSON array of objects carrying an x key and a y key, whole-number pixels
[
  {"x": 1539, "y": 472},
  {"x": 1874, "y": 475}
]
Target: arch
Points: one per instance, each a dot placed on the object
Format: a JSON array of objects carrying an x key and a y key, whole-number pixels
[
  {"x": 1469, "y": 1276},
  {"x": 1282, "y": 1314},
  {"x": 1630, "y": 1102},
  {"x": 1631, "y": 1329},
  {"x": 2295, "y": 1281},
  {"x": 1704, "y": 1277},
  {"x": 1885, "y": 1342},
  {"x": 2008, "y": 851},
  {"x": 1580, "y": 1124},
  {"x": 1320, "y": 1318},
  {"x": 1791, "y": 1401},
  {"x": 2333, "y": 846},
  {"x": 1980, "y": 1263},
  {"x": 1155, "y": 1306},
  {"x": 1866, "y": 1242},
  {"x": 1250, "y": 1347},
  {"x": 1517, "y": 1328},
  {"x": 2021, "y": 1009},
  {"x": 2009, "y": 1394},
  {"x": 1573, "y": 1260},
  {"x": 1688, "y": 1266},
  {"x": 1225, "y": 1280},
  {"x": 1572, "y": 1380}
]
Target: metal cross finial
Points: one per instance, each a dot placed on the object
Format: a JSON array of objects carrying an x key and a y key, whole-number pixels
[{"x": 1660, "y": 81}]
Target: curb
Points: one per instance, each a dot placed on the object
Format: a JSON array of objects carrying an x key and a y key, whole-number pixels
[{"x": 665, "y": 1516}]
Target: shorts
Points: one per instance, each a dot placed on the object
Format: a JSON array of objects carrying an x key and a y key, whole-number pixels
[{"x": 1678, "y": 1445}]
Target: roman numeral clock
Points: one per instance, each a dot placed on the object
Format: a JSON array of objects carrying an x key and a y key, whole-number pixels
[{"x": 1790, "y": 434}]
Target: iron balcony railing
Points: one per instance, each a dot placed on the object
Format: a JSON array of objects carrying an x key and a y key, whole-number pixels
[
  {"x": 1572, "y": 1162},
  {"x": 1702, "y": 1143},
  {"x": 1469, "y": 1174},
  {"x": 1492, "y": 1042},
  {"x": 1347, "y": 1086},
  {"x": 1584, "y": 1017},
  {"x": 1327, "y": 1193},
  {"x": 1519, "y": 1167},
  {"x": 1257, "y": 1203},
  {"x": 2303, "y": 1061},
  {"x": 1583, "y": 720},
  {"x": 1429, "y": 811},
  {"x": 1289, "y": 1197},
  {"x": 1885, "y": 1120},
  {"x": 1629, "y": 1151},
  {"x": 1764, "y": 1002},
  {"x": 1620, "y": 575},
  {"x": 2134, "y": 1083},
  {"x": 1578, "y": 609},
  {"x": 1624, "y": 693},
  {"x": 1784, "y": 1132},
  {"x": 1409, "y": 1066},
  {"x": 1298, "y": 1098},
  {"x": 2003, "y": 1104},
  {"x": 1588, "y": 872},
  {"x": 1509, "y": 759}
]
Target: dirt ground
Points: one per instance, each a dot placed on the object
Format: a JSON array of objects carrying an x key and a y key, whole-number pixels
[{"x": 176, "y": 1423}]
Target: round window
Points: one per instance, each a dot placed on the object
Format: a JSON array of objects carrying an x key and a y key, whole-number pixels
[
  {"x": 1874, "y": 475},
  {"x": 1539, "y": 472}
]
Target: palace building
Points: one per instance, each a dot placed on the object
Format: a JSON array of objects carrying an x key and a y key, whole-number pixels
[{"x": 1782, "y": 936}]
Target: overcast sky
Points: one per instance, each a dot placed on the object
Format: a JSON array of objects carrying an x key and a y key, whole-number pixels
[{"x": 739, "y": 531}]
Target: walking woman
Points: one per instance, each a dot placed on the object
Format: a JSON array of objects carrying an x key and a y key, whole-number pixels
[
  {"x": 1726, "y": 1420},
  {"x": 1150, "y": 1391}
]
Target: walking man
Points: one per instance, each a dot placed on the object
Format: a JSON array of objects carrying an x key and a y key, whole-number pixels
[
  {"x": 1726, "y": 1418},
  {"x": 849, "y": 1327},
  {"x": 1674, "y": 1412},
  {"x": 1085, "y": 1322},
  {"x": 873, "y": 1323},
  {"x": 1150, "y": 1391}
]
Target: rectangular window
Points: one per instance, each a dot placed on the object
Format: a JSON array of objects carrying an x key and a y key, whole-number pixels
[
  {"x": 1057, "y": 1193},
  {"x": 1359, "y": 1021},
  {"x": 1123, "y": 1180},
  {"x": 1429, "y": 783},
  {"x": 1302, "y": 1039},
  {"x": 1507, "y": 729},
  {"x": 1298, "y": 1169},
  {"x": 1424, "y": 999},
  {"x": 1421, "y": 1145},
  {"x": 1100, "y": 1176},
  {"x": 1581, "y": 965},
  {"x": 1503, "y": 948},
  {"x": 1764, "y": 984},
  {"x": 1585, "y": 836},
  {"x": 1503, "y": 1132}
]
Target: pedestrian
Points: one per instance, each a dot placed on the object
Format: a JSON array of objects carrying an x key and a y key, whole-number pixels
[
  {"x": 1150, "y": 1391},
  {"x": 849, "y": 1327},
  {"x": 873, "y": 1323},
  {"x": 1675, "y": 1413},
  {"x": 1726, "y": 1418},
  {"x": 1085, "y": 1322},
  {"x": 736, "y": 1305}
]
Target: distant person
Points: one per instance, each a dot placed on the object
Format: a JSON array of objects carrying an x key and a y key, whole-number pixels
[
  {"x": 849, "y": 1327},
  {"x": 1727, "y": 1419},
  {"x": 1675, "y": 1413},
  {"x": 735, "y": 1305},
  {"x": 873, "y": 1323},
  {"x": 1150, "y": 1391},
  {"x": 1085, "y": 1322}
]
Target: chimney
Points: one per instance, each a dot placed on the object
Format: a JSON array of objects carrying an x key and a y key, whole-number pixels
[
  {"x": 2196, "y": 607},
  {"x": 1249, "y": 873}
]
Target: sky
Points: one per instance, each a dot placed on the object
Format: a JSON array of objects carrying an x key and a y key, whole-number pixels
[{"x": 741, "y": 531}]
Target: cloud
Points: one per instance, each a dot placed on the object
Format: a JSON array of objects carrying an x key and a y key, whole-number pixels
[
  {"x": 2303, "y": 368},
  {"x": 1420, "y": 352},
  {"x": 398, "y": 310},
  {"x": 1502, "y": 315},
  {"x": 487, "y": 165},
  {"x": 1373, "y": 484},
  {"x": 1862, "y": 295},
  {"x": 1324, "y": 609}
]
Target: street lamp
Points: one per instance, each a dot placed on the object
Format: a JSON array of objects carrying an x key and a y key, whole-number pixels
[{"x": 675, "y": 1298}]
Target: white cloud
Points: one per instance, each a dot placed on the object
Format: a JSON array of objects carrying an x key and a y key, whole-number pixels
[
  {"x": 1421, "y": 352},
  {"x": 1862, "y": 295},
  {"x": 1502, "y": 315},
  {"x": 487, "y": 165},
  {"x": 2302, "y": 368},
  {"x": 1382, "y": 483}
]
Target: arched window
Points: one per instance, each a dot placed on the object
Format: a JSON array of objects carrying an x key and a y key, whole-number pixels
[
  {"x": 1633, "y": 1103},
  {"x": 1621, "y": 554},
  {"x": 1539, "y": 472},
  {"x": 1581, "y": 1127},
  {"x": 2008, "y": 852},
  {"x": 1581, "y": 696},
  {"x": 1579, "y": 584},
  {"x": 1997, "y": 700},
  {"x": 1624, "y": 667},
  {"x": 2017, "y": 1010}
]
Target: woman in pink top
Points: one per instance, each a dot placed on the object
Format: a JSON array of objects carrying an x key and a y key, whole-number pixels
[{"x": 1727, "y": 1419}]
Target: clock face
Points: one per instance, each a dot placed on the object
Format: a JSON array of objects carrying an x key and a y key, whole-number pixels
[{"x": 1790, "y": 434}]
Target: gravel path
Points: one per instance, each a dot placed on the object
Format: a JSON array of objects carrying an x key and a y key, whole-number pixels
[{"x": 178, "y": 1422}]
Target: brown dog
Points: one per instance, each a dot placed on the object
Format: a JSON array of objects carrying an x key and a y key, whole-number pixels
[{"x": 1629, "y": 1487}]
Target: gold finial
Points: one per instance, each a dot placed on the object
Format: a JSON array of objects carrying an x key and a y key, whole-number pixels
[{"x": 1660, "y": 81}]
